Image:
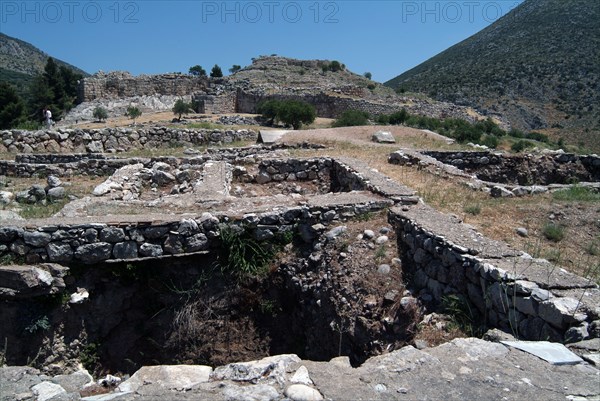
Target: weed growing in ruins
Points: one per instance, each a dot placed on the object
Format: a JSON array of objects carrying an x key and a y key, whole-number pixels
[
  {"x": 269, "y": 307},
  {"x": 89, "y": 356},
  {"x": 41, "y": 323},
  {"x": 553, "y": 232},
  {"x": 243, "y": 256},
  {"x": 463, "y": 316},
  {"x": 11, "y": 259},
  {"x": 39, "y": 211},
  {"x": 380, "y": 253}
]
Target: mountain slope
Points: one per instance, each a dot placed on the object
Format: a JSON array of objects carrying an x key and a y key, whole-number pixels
[
  {"x": 21, "y": 61},
  {"x": 538, "y": 66}
]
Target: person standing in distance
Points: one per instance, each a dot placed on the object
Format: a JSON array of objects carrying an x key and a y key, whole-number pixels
[{"x": 48, "y": 117}]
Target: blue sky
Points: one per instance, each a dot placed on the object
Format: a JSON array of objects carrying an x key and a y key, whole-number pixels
[{"x": 385, "y": 38}]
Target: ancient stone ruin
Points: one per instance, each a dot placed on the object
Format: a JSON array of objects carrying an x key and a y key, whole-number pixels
[{"x": 153, "y": 274}]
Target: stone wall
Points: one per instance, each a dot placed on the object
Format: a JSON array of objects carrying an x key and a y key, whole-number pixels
[
  {"x": 530, "y": 298},
  {"x": 92, "y": 243},
  {"x": 114, "y": 139},
  {"x": 328, "y": 106},
  {"x": 529, "y": 169},
  {"x": 96, "y": 164},
  {"x": 117, "y": 85}
]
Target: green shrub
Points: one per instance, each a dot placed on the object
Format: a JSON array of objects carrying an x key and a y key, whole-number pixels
[
  {"x": 181, "y": 107},
  {"x": 472, "y": 209},
  {"x": 296, "y": 113},
  {"x": 289, "y": 112},
  {"x": 467, "y": 134},
  {"x": 491, "y": 141},
  {"x": 100, "y": 113},
  {"x": 350, "y": 118},
  {"x": 553, "y": 232},
  {"x": 515, "y": 133},
  {"x": 335, "y": 66},
  {"x": 371, "y": 86},
  {"x": 382, "y": 119},
  {"x": 399, "y": 117},
  {"x": 520, "y": 146},
  {"x": 536, "y": 136},
  {"x": 269, "y": 109},
  {"x": 133, "y": 113}
]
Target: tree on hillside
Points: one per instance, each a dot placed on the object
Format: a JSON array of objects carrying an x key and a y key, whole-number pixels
[
  {"x": 133, "y": 113},
  {"x": 296, "y": 113},
  {"x": 100, "y": 113},
  {"x": 181, "y": 107},
  {"x": 197, "y": 71},
  {"x": 41, "y": 96},
  {"x": 269, "y": 109},
  {"x": 56, "y": 89},
  {"x": 368, "y": 75},
  {"x": 12, "y": 109},
  {"x": 216, "y": 72},
  {"x": 235, "y": 68},
  {"x": 289, "y": 112}
]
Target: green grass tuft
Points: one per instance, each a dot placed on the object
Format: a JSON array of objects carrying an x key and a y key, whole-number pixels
[
  {"x": 577, "y": 193},
  {"x": 553, "y": 232}
]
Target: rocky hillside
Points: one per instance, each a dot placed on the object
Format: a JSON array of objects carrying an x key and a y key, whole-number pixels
[
  {"x": 276, "y": 73},
  {"x": 20, "y": 61},
  {"x": 537, "y": 66}
]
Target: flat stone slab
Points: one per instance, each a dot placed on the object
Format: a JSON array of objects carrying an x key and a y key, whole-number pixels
[
  {"x": 376, "y": 181},
  {"x": 454, "y": 231},
  {"x": 215, "y": 182},
  {"x": 555, "y": 353},
  {"x": 383, "y": 137},
  {"x": 270, "y": 136},
  {"x": 543, "y": 273}
]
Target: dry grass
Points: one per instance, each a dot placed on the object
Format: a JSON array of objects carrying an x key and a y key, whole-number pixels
[{"x": 498, "y": 218}]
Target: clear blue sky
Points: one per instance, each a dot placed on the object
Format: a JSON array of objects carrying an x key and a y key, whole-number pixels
[{"x": 156, "y": 36}]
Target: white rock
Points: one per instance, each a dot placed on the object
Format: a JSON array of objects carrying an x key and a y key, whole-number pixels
[
  {"x": 301, "y": 392},
  {"x": 6, "y": 197},
  {"x": 106, "y": 187},
  {"x": 382, "y": 239},
  {"x": 79, "y": 297},
  {"x": 301, "y": 376},
  {"x": 173, "y": 377},
  {"x": 46, "y": 391}
]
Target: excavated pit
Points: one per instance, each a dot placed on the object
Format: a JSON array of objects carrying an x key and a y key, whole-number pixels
[
  {"x": 319, "y": 301},
  {"x": 146, "y": 257}
]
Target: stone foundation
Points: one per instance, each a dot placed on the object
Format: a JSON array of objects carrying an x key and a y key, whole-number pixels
[{"x": 530, "y": 298}]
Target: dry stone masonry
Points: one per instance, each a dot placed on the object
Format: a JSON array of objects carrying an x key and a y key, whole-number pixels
[
  {"x": 506, "y": 175},
  {"x": 528, "y": 297},
  {"x": 112, "y": 140}
]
